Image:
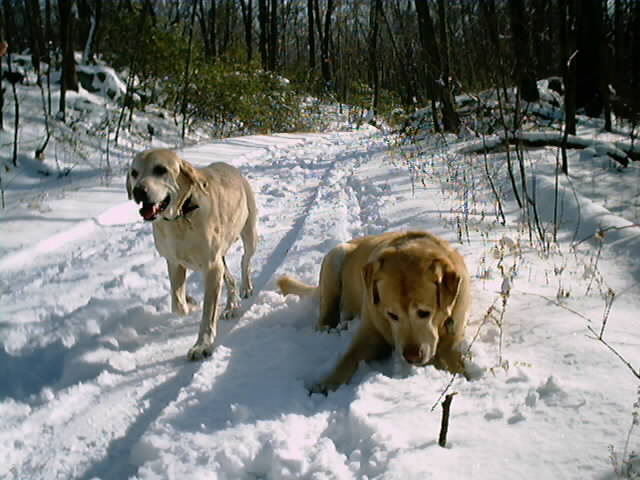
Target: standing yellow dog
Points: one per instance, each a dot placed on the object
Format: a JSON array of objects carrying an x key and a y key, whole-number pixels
[
  {"x": 197, "y": 213},
  {"x": 411, "y": 290}
]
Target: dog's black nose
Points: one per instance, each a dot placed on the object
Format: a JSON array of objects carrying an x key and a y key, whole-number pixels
[
  {"x": 413, "y": 354},
  {"x": 140, "y": 194}
]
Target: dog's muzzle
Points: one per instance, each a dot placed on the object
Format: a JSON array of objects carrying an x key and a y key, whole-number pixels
[
  {"x": 150, "y": 210},
  {"x": 416, "y": 354}
]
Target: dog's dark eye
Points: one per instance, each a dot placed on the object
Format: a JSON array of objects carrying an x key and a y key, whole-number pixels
[
  {"x": 159, "y": 170},
  {"x": 393, "y": 316},
  {"x": 424, "y": 313},
  {"x": 134, "y": 174}
]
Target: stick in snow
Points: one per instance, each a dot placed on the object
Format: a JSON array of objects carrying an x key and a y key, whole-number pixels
[{"x": 444, "y": 426}]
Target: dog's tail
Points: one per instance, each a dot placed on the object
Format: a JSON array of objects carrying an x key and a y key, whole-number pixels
[{"x": 289, "y": 285}]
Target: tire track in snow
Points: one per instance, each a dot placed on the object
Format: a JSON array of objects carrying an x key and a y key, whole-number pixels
[
  {"x": 341, "y": 194},
  {"x": 203, "y": 409},
  {"x": 107, "y": 456},
  {"x": 116, "y": 284}
]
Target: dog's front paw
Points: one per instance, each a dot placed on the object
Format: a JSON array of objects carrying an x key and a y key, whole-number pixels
[
  {"x": 200, "y": 351},
  {"x": 451, "y": 361},
  {"x": 246, "y": 292},
  {"x": 319, "y": 388},
  {"x": 325, "y": 386}
]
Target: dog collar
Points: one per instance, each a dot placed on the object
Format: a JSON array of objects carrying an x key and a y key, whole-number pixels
[{"x": 187, "y": 207}]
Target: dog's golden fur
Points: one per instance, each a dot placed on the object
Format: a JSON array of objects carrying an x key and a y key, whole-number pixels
[
  {"x": 197, "y": 213},
  {"x": 411, "y": 290}
]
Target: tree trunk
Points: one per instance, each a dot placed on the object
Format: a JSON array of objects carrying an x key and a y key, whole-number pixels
[
  {"x": 569, "y": 67},
  {"x": 619, "y": 43},
  {"x": 569, "y": 13},
  {"x": 312, "y": 37},
  {"x": 525, "y": 79},
  {"x": 325, "y": 63},
  {"x": 187, "y": 75},
  {"x": 48, "y": 31},
  {"x": 540, "y": 30},
  {"x": 88, "y": 56},
  {"x": 375, "y": 12},
  {"x": 263, "y": 21},
  {"x": 247, "y": 18},
  {"x": 438, "y": 81},
  {"x": 10, "y": 31},
  {"x": 450, "y": 118},
  {"x": 589, "y": 67},
  {"x": 635, "y": 57},
  {"x": 69, "y": 79},
  {"x": 204, "y": 28},
  {"x": 2, "y": 90},
  {"x": 605, "y": 79},
  {"x": 32, "y": 7},
  {"x": 429, "y": 55},
  {"x": 273, "y": 36},
  {"x": 226, "y": 37}
]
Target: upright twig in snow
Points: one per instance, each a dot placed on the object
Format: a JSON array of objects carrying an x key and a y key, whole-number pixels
[
  {"x": 444, "y": 425},
  {"x": 555, "y": 198},
  {"x": 503, "y": 220},
  {"x": 594, "y": 263},
  {"x": 608, "y": 303}
]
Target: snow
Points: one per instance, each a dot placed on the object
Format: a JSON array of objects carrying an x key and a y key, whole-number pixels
[{"x": 95, "y": 383}]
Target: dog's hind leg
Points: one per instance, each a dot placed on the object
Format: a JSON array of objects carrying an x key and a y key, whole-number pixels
[
  {"x": 331, "y": 287},
  {"x": 249, "y": 237},
  {"x": 181, "y": 303},
  {"x": 233, "y": 302}
]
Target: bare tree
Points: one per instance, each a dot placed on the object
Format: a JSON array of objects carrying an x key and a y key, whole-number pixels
[
  {"x": 375, "y": 15},
  {"x": 69, "y": 79},
  {"x": 273, "y": 36},
  {"x": 247, "y": 19},
  {"x": 10, "y": 29},
  {"x": 4, "y": 47},
  {"x": 589, "y": 65},
  {"x": 325, "y": 41},
  {"x": 569, "y": 13},
  {"x": 93, "y": 11},
  {"x": 263, "y": 21},
  {"x": 438, "y": 81},
  {"x": 525, "y": 79},
  {"x": 450, "y": 117},
  {"x": 312, "y": 36},
  {"x": 32, "y": 7},
  {"x": 207, "y": 22},
  {"x": 187, "y": 73}
]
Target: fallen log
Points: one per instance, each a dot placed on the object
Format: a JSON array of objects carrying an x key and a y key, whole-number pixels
[{"x": 619, "y": 151}]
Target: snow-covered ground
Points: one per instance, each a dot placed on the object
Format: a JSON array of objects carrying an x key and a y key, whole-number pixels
[{"x": 94, "y": 381}]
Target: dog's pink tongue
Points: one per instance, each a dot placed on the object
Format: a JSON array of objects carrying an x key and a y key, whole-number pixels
[{"x": 149, "y": 211}]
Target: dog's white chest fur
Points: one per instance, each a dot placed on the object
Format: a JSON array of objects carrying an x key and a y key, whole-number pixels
[{"x": 184, "y": 245}]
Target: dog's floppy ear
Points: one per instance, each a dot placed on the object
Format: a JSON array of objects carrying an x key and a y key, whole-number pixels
[
  {"x": 368, "y": 272},
  {"x": 448, "y": 283},
  {"x": 191, "y": 174}
]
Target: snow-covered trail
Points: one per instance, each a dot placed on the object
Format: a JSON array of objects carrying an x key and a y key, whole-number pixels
[
  {"x": 95, "y": 384},
  {"x": 96, "y": 362}
]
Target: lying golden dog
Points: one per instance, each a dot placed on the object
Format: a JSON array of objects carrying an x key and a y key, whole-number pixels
[
  {"x": 197, "y": 213},
  {"x": 411, "y": 290}
]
